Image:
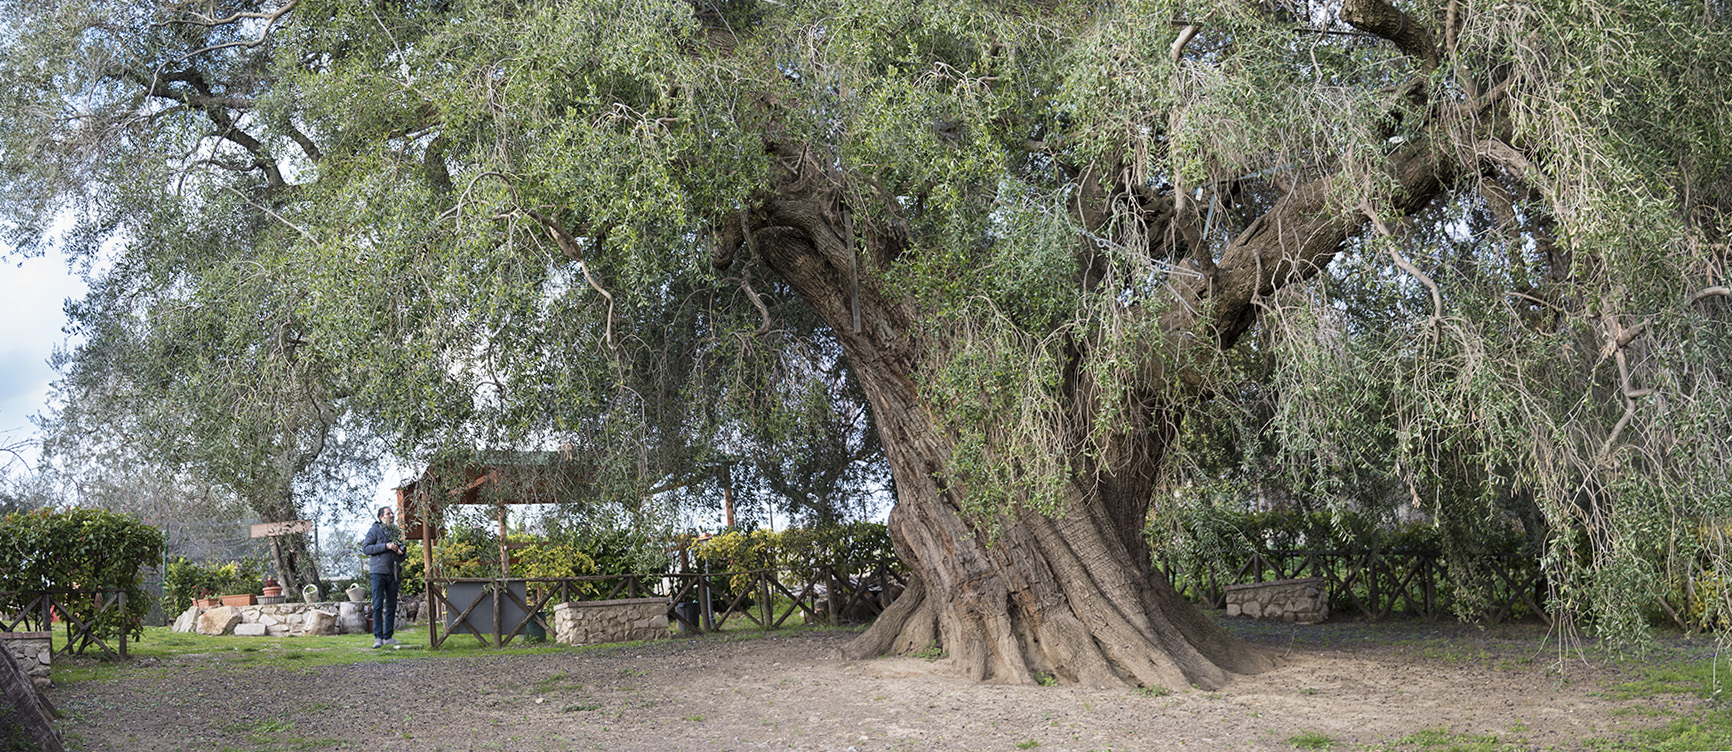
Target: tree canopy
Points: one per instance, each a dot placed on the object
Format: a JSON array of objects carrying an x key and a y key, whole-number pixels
[{"x": 1470, "y": 254}]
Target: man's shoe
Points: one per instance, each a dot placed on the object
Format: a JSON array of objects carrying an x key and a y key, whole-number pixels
[
  {"x": 392, "y": 641},
  {"x": 378, "y": 643}
]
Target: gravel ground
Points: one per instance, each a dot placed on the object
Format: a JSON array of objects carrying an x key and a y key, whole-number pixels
[{"x": 1360, "y": 685}]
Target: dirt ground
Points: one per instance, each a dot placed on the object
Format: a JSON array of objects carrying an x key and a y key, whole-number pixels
[{"x": 1364, "y": 686}]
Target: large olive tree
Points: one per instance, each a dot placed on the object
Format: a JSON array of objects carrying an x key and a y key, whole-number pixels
[{"x": 1033, "y": 229}]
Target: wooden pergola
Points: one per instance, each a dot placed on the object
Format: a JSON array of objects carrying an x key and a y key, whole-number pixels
[{"x": 497, "y": 479}]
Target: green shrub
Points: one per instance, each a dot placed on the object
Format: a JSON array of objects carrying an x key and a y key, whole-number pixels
[
  {"x": 471, "y": 551},
  {"x": 186, "y": 580},
  {"x": 80, "y": 549}
]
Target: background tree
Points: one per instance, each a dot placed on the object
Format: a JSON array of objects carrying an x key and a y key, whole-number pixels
[{"x": 1034, "y": 230}]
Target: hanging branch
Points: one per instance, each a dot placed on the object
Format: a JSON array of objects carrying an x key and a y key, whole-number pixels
[
  {"x": 568, "y": 244},
  {"x": 1407, "y": 266}
]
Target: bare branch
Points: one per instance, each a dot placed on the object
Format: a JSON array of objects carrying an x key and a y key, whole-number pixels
[
  {"x": 1407, "y": 266},
  {"x": 273, "y": 215},
  {"x": 1185, "y": 37},
  {"x": 568, "y": 244},
  {"x": 270, "y": 20},
  {"x": 1708, "y": 292}
]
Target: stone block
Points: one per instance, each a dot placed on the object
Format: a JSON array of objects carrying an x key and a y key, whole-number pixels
[
  {"x": 319, "y": 623},
  {"x": 350, "y": 618},
  {"x": 34, "y": 652},
  {"x": 254, "y": 629},
  {"x": 219, "y": 620},
  {"x": 277, "y": 630},
  {"x": 1299, "y": 600},
  {"x": 187, "y": 621}
]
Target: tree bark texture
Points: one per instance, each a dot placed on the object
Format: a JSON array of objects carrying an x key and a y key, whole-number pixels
[{"x": 1073, "y": 595}]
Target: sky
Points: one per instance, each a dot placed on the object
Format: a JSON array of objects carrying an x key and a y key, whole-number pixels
[{"x": 33, "y": 293}]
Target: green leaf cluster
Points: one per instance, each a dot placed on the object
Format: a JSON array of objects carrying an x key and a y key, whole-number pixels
[
  {"x": 187, "y": 580},
  {"x": 78, "y": 554}
]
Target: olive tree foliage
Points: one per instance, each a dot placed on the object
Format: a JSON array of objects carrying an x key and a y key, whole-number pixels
[
  {"x": 189, "y": 363},
  {"x": 169, "y": 133},
  {"x": 1490, "y": 235}
]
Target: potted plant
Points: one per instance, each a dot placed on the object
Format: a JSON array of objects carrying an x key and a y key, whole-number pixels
[
  {"x": 271, "y": 587},
  {"x": 242, "y": 599}
]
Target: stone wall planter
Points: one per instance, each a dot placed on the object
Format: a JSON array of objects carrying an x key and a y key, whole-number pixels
[
  {"x": 246, "y": 599},
  {"x": 622, "y": 620},
  {"x": 1305, "y": 601},
  {"x": 34, "y": 651}
]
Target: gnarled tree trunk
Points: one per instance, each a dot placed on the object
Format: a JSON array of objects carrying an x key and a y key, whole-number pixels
[{"x": 1072, "y": 595}]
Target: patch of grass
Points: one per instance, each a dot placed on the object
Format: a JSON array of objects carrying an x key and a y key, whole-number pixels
[
  {"x": 1308, "y": 691},
  {"x": 1674, "y": 677},
  {"x": 555, "y": 683},
  {"x": 193, "y": 651},
  {"x": 1030, "y": 744},
  {"x": 1706, "y": 730},
  {"x": 580, "y": 707},
  {"x": 1311, "y": 740},
  {"x": 695, "y": 718},
  {"x": 1456, "y": 654},
  {"x": 1643, "y": 711},
  {"x": 1446, "y": 740},
  {"x": 1046, "y": 680},
  {"x": 931, "y": 652},
  {"x": 1155, "y": 691}
]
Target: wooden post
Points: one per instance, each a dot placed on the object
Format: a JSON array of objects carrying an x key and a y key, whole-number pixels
[
  {"x": 726, "y": 476},
  {"x": 429, "y": 604},
  {"x": 28, "y": 705},
  {"x": 504, "y": 548},
  {"x": 764, "y": 588}
]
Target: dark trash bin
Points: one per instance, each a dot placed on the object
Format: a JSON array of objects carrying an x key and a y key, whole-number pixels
[{"x": 688, "y": 616}]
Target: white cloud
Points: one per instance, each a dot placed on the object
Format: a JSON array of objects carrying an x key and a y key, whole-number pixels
[{"x": 33, "y": 293}]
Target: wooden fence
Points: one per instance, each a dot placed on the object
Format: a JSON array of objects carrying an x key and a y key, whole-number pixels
[
  {"x": 37, "y": 611},
  {"x": 1378, "y": 584},
  {"x": 767, "y": 598},
  {"x": 1372, "y": 584}
]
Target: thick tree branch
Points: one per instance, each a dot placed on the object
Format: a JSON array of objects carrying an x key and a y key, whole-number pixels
[
  {"x": 1708, "y": 292},
  {"x": 1291, "y": 242},
  {"x": 1386, "y": 21}
]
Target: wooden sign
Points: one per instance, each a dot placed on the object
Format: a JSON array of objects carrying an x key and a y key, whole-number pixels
[{"x": 282, "y": 528}]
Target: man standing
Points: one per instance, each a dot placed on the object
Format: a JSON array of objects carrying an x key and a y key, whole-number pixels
[{"x": 384, "y": 555}]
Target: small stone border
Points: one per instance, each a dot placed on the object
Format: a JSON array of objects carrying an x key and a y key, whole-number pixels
[
  {"x": 619, "y": 620},
  {"x": 35, "y": 654},
  {"x": 1304, "y": 600}
]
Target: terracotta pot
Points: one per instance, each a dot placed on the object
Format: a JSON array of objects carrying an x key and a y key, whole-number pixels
[
  {"x": 238, "y": 600},
  {"x": 207, "y": 602},
  {"x": 272, "y": 590}
]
